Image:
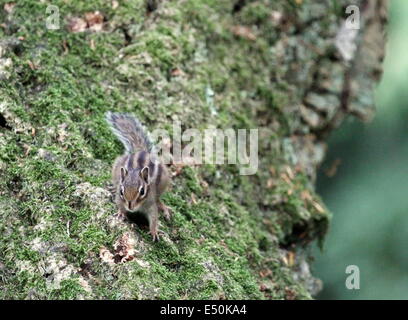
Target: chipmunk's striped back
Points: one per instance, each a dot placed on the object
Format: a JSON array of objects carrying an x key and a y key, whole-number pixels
[{"x": 142, "y": 159}]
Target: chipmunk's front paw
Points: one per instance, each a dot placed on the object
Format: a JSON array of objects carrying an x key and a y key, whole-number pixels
[{"x": 120, "y": 215}]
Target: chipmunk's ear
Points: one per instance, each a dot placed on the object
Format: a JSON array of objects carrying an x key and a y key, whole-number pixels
[
  {"x": 123, "y": 174},
  {"x": 144, "y": 174}
]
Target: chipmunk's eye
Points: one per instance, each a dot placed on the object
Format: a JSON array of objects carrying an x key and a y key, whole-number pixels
[
  {"x": 142, "y": 191},
  {"x": 121, "y": 191}
]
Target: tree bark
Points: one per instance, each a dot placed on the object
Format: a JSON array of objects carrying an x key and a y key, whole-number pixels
[{"x": 290, "y": 68}]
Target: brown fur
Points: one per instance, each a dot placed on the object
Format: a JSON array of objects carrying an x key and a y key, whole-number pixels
[{"x": 139, "y": 178}]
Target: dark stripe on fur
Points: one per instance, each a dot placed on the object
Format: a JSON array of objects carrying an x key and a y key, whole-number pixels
[
  {"x": 130, "y": 161},
  {"x": 159, "y": 174},
  {"x": 151, "y": 168},
  {"x": 141, "y": 159}
]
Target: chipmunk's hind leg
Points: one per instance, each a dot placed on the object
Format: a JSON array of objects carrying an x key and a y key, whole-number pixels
[{"x": 165, "y": 209}]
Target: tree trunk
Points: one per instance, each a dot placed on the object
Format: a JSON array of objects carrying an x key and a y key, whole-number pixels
[{"x": 292, "y": 69}]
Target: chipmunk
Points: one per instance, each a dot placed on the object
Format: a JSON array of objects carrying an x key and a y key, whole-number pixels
[{"x": 138, "y": 176}]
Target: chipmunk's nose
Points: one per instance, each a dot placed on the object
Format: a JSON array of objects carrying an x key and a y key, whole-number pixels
[{"x": 130, "y": 205}]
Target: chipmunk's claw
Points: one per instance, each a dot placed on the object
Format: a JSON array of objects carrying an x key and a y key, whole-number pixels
[{"x": 156, "y": 235}]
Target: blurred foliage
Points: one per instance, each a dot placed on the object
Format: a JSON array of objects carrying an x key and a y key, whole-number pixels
[{"x": 368, "y": 193}]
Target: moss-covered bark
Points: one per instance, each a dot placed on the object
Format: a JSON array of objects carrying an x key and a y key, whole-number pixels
[{"x": 279, "y": 66}]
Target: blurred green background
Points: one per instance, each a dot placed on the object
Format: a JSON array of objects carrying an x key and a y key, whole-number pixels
[{"x": 368, "y": 195}]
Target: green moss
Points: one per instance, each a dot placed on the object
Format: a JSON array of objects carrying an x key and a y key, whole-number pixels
[
  {"x": 70, "y": 289},
  {"x": 57, "y": 140}
]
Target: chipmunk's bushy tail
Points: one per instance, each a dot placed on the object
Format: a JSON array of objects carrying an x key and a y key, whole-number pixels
[{"x": 130, "y": 132}]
